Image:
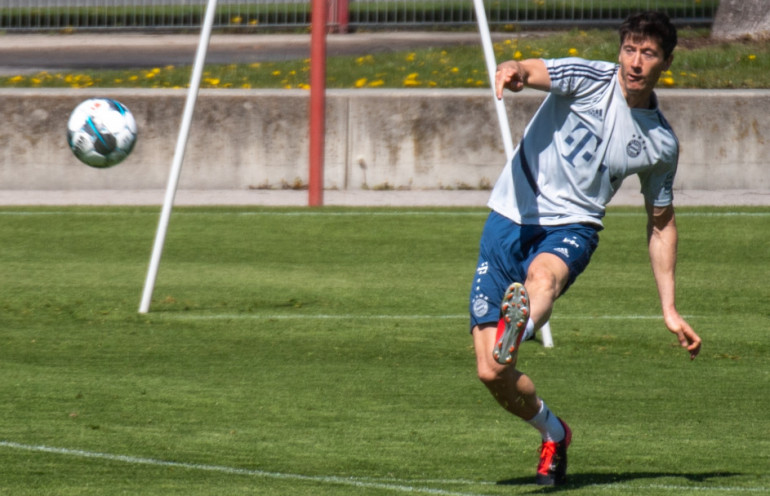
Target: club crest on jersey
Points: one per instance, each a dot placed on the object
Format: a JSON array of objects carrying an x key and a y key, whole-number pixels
[
  {"x": 480, "y": 307},
  {"x": 635, "y": 146}
]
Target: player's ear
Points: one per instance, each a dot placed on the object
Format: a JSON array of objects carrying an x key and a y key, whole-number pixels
[{"x": 667, "y": 62}]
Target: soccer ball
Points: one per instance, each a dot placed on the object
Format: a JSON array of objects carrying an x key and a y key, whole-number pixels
[{"x": 101, "y": 132}]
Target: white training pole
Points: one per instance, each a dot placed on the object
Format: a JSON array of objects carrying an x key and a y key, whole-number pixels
[
  {"x": 176, "y": 166},
  {"x": 502, "y": 116},
  {"x": 489, "y": 56}
]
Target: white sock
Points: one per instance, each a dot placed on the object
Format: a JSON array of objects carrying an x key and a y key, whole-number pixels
[
  {"x": 529, "y": 331},
  {"x": 548, "y": 424}
]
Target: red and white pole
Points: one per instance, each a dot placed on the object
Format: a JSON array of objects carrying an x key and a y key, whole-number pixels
[{"x": 317, "y": 102}]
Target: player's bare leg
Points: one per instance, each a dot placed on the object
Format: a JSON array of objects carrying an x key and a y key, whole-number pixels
[
  {"x": 511, "y": 388},
  {"x": 546, "y": 277},
  {"x": 514, "y": 390}
]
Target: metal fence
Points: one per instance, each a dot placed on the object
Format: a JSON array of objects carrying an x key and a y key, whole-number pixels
[{"x": 260, "y": 15}]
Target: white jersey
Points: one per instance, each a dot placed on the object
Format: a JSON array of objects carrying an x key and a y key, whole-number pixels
[{"x": 580, "y": 145}]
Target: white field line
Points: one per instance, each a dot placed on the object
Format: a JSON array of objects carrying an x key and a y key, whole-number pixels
[
  {"x": 400, "y": 486},
  {"x": 388, "y": 484},
  {"x": 352, "y": 213},
  {"x": 306, "y": 316}
]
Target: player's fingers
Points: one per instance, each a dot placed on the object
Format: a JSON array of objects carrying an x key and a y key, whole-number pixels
[
  {"x": 502, "y": 77},
  {"x": 689, "y": 340},
  {"x": 694, "y": 346}
]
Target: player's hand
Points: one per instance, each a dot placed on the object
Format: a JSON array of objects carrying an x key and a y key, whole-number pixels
[
  {"x": 684, "y": 333},
  {"x": 509, "y": 75}
]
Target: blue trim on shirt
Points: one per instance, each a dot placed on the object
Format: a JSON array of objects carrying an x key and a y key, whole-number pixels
[{"x": 527, "y": 171}]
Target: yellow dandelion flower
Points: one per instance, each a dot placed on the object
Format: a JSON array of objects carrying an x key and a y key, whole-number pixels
[
  {"x": 752, "y": 57},
  {"x": 16, "y": 79},
  {"x": 255, "y": 65},
  {"x": 376, "y": 83},
  {"x": 304, "y": 86},
  {"x": 360, "y": 83},
  {"x": 572, "y": 52},
  {"x": 410, "y": 57},
  {"x": 517, "y": 55},
  {"x": 668, "y": 81},
  {"x": 454, "y": 70},
  {"x": 276, "y": 73},
  {"x": 236, "y": 20}
]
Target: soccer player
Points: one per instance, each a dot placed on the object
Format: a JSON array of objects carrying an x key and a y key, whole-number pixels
[{"x": 599, "y": 123}]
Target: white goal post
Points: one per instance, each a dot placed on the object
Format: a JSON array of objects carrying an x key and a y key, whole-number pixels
[{"x": 502, "y": 116}]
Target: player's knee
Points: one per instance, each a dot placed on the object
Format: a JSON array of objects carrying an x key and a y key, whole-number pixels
[
  {"x": 489, "y": 374},
  {"x": 543, "y": 281}
]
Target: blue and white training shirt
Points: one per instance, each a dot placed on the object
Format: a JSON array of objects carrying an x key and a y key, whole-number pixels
[{"x": 580, "y": 145}]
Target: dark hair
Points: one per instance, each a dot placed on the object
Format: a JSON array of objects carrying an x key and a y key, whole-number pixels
[{"x": 654, "y": 25}]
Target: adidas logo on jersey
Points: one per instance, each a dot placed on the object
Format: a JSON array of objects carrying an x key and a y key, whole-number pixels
[
  {"x": 564, "y": 251},
  {"x": 596, "y": 113}
]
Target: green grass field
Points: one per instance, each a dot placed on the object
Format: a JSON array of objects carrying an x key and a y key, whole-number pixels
[{"x": 300, "y": 351}]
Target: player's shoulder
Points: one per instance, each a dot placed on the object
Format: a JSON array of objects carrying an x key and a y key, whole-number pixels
[
  {"x": 572, "y": 67},
  {"x": 574, "y": 76}
]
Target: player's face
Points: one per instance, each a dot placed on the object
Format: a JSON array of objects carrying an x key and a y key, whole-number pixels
[{"x": 641, "y": 64}]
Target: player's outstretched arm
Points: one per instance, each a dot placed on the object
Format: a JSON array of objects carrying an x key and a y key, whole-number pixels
[
  {"x": 515, "y": 75},
  {"x": 662, "y": 237}
]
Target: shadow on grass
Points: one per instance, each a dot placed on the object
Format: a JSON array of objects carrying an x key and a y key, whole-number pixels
[{"x": 579, "y": 480}]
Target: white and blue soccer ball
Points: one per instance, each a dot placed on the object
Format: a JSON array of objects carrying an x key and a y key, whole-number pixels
[{"x": 101, "y": 132}]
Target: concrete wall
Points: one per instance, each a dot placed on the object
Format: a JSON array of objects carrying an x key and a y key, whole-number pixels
[{"x": 408, "y": 139}]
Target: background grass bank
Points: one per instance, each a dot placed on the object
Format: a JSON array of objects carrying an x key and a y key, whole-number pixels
[{"x": 699, "y": 63}]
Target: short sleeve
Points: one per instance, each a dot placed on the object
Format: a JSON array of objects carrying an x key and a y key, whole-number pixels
[{"x": 578, "y": 77}]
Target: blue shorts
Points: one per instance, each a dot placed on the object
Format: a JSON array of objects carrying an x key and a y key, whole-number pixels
[{"x": 506, "y": 250}]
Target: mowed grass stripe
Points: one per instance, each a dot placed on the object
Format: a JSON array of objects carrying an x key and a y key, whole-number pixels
[
  {"x": 388, "y": 484},
  {"x": 305, "y": 316}
]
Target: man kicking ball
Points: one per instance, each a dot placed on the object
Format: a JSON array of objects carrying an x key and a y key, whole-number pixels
[{"x": 599, "y": 124}]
